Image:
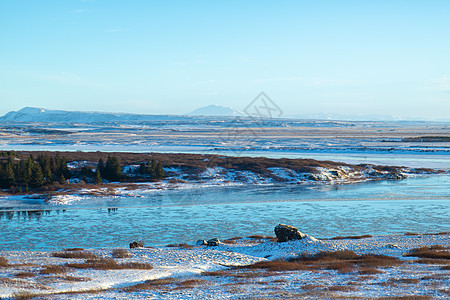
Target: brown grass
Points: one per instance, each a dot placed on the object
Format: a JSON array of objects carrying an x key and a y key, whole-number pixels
[
  {"x": 190, "y": 283},
  {"x": 53, "y": 269},
  {"x": 3, "y": 262},
  {"x": 25, "y": 275},
  {"x": 120, "y": 253},
  {"x": 75, "y": 254},
  {"x": 182, "y": 246},
  {"x": 109, "y": 264},
  {"x": 352, "y": 237},
  {"x": 368, "y": 271},
  {"x": 405, "y": 280},
  {"x": 151, "y": 284},
  {"x": 73, "y": 249},
  {"x": 434, "y": 252},
  {"x": 341, "y": 261}
]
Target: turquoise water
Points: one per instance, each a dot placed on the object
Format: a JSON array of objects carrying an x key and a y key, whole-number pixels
[{"x": 385, "y": 207}]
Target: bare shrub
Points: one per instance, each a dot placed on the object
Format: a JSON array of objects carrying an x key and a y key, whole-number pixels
[
  {"x": 182, "y": 246},
  {"x": 190, "y": 283},
  {"x": 352, "y": 237},
  {"x": 25, "y": 275},
  {"x": 3, "y": 262},
  {"x": 53, "y": 269},
  {"x": 277, "y": 265},
  {"x": 75, "y": 255},
  {"x": 435, "y": 252},
  {"x": 108, "y": 264},
  {"x": 368, "y": 271},
  {"x": 230, "y": 242},
  {"x": 73, "y": 249},
  {"x": 256, "y": 236},
  {"x": 24, "y": 295},
  {"x": 120, "y": 253},
  {"x": 151, "y": 284},
  {"x": 308, "y": 287},
  {"x": 405, "y": 280}
]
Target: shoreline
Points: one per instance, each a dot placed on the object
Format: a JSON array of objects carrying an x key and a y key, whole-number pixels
[
  {"x": 196, "y": 170},
  {"x": 253, "y": 265}
]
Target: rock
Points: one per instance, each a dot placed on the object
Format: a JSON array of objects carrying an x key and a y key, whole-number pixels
[
  {"x": 201, "y": 243},
  {"x": 286, "y": 233},
  {"x": 213, "y": 242},
  {"x": 136, "y": 245},
  {"x": 395, "y": 176}
]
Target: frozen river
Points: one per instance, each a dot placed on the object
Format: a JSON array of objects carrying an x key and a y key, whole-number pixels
[{"x": 176, "y": 216}]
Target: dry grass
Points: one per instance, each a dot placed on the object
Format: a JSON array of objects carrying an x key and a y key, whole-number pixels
[
  {"x": 405, "y": 280},
  {"x": 24, "y": 295},
  {"x": 161, "y": 283},
  {"x": 434, "y": 252},
  {"x": 190, "y": 283},
  {"x": 109, "y": 264},
  {"x": 341, "y": 261},
  {"x": 25, "y": 275},
  {"x": 75, "y": 254},
  {"x": 368, "y": 271},
  {"x": 53, "y": 269},
  {"x": 182, "y": 246},
  {"x": 73, "y": 249},
  {"x": 120, "y": 253},
  {"x": 3, "y": 262},
  {"x": 352, "y": 237},
  {"x": 229, "y": 242}
]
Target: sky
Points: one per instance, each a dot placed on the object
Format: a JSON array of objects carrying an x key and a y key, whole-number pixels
[{"x": 171, "y": 57}]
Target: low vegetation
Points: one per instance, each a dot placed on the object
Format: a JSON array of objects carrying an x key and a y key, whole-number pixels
[
  {"x": 431, "y": 252},
  {"x": 120, "y": 253},
  {"x": 3, "y": 262},
  {"x": 75, "y": 254},
  {"x": 108, "y": 264},
  {"x": 342, "y": 261}
]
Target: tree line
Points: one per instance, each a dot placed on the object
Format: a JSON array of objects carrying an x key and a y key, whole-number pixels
[
  {"x": 22, "y": 174},
  {"x": 29, "y": 172}
]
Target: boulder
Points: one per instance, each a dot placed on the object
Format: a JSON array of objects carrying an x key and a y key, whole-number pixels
[
  {"x": 201, "y": 243},
  {"x": 286, "y": 233},
  {"x": 213, "y": 242},
  {"x": 136, "y": 245}
]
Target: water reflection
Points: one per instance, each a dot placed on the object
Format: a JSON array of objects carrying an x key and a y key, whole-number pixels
[{"x": 24, "y": 215}]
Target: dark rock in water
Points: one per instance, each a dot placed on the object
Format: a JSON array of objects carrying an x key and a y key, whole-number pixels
[
  {"x": 395, "y": 176},
  {"x": 286, "y": 233},
  {"x": 201, "y": 243},
  {"x": 136, "y": 245},
  {"x": 213, "y": 242}
]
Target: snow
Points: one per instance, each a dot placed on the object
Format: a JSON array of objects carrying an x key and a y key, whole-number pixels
[{"x": 185, "y": 264}]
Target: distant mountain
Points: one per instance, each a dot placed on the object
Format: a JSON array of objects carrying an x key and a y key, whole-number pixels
[
  {"x": 32, "y": 114},
  {"x": 215, "y": 110}
]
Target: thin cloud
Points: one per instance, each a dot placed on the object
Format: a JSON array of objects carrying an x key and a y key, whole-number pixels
[{"x": 441, "y": 84}]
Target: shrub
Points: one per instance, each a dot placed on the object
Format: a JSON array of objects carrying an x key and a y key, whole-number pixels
[
  {"x": 53, "y": 269},
  {"x": 75, "y": 254},
  {"x": 435, "y": 252},
  {"x": 3, "y": 262},
  {"x": 108, "y": 264},
  {"x": 120, "y": 253}
]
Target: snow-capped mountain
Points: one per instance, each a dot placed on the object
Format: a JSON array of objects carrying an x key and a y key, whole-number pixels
[
  {"x": 215, "y": 110},
  {"x": 32, "y": 114}
]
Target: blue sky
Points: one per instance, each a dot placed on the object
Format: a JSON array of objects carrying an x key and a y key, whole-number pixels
[{"x": 159, "y": 57}]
